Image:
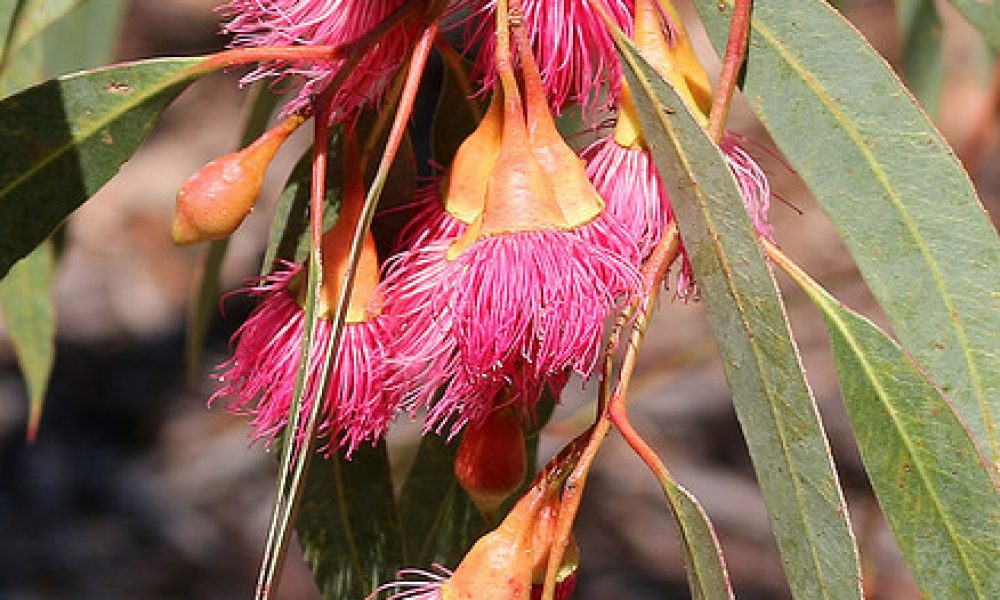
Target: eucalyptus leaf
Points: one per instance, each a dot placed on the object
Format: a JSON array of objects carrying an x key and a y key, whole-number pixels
[
  {"x": 454, "y": 119},
  {"x": 934, "y": 486},
  {"x": 62, "y": 140},
  {"x": 29, "y": 313},
  {"x": 347, "y": 523},
  {"x": 84, "y": 38},
  {"x": 32, "y": 17},
  {"x": 439, "y": 520},
  {"x": 922, "y": 61},
  {"x": 984, "y": 15},
  {"x": 7, "y": 10},
  {"x": 707, "y": 576},
  {"x": 775, "y": 407},
  {"x": 902, "y": 202},
  {"x": 288, "y": 237}
]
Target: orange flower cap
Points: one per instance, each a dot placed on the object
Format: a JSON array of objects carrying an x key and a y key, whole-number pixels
[
  {"x": 687, "y": 61},
  {"x": 216, "y": 199},
  {"x": 660, "y": 36}
]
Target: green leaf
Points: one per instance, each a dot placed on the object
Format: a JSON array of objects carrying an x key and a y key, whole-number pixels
[
  {"x": 440, "y": 522},
  {"x": 24, "y": 65},
  {"x": 932, "y": 483},
  {"x": 348, "y": 525},
  {"x": 32, "y": 17},
  {"x": 26, "y": 59},
  {"x": 288, "y": 237},
  {"x": 85, "y": 38},
  {"x": 7, "y": 10},
  {"x": 887, "y": 179},
  {"x": 984, "y": 15},
  {"x": 706, "y": 571},
  {"x": 922, "y": 64},
  {"x": 28, "y": 311},
  {"x": 62, "y": 140},
  {"x": 773, "y": 402}
]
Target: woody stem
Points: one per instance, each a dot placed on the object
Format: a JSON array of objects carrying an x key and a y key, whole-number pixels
[
  {"x": 653, "y": 273},
  {"x": 287, "y": 503}
]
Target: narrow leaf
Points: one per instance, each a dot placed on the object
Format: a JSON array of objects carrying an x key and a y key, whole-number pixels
[
  {"x": 706, "y": 573},
  {"x": 8, "y": 8},
  {"x": 904, "y": 207},
  {"x": 454, "y": 119},
  {"x": 922, "y": 64},
  {"x": 85, "y": 38},
  {"x": 62, "y": 140},
  {"x": 439, "y": 520},
  {"x": 932, "y": 483},
  {"x": 28, "y": 311},
  {"x": 984, "y": 15},
  {"x": 773, "y": 402},
  {"x": 347, "y": 523},
  {"x": 288, "y": 237},
  {"x": 33, "y": 17}
]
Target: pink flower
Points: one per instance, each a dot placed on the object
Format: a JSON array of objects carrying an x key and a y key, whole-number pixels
[
  {"x": 430, "y": 221},
  {"x": 255, "y": 23},
  {"x": 259, "y": 379},
  {"x": 517, "y": 300},
  {"x": 635, "y": 197},
  {"x": 575, "y": 53}
]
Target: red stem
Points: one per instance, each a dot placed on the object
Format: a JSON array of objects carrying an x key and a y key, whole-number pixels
[
  {"x": 732, "y": 62},
  {"x": 653, "y": 273},
  {"x": 358, "y": 46}
]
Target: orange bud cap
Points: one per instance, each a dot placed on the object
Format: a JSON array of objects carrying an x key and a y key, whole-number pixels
[
  {"x": 492, "y": 462},
  {"x": 216, "y": 199}
]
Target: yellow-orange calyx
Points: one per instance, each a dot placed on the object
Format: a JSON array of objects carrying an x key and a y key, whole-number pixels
[
  {"x": 687, "y": 62},
  {"x": 336, "y": 247},
  {"x": 628, "y": 130},
  {"x": 216, "y": 199},
  {"x": 519, "y": 194},
  {"x": 579, "y": 201},
  {"x": 465, "y": 191},
  {"x": 675, "y": 60}
]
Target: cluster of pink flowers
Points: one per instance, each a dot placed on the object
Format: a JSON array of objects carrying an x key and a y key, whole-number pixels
[{"x": 500, "y": 286}]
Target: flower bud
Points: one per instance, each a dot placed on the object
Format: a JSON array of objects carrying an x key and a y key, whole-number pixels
[
  {"x": 491, "y": 462},
  {"x": 216, "y": 199}
]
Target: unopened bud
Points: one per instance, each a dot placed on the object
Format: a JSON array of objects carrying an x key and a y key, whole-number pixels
[
  {"x": 216, "y": 199},
  {"x": 491, "y": 462}
]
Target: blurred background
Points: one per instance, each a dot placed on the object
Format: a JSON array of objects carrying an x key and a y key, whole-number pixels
[{"x": 135, "y": 489}]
